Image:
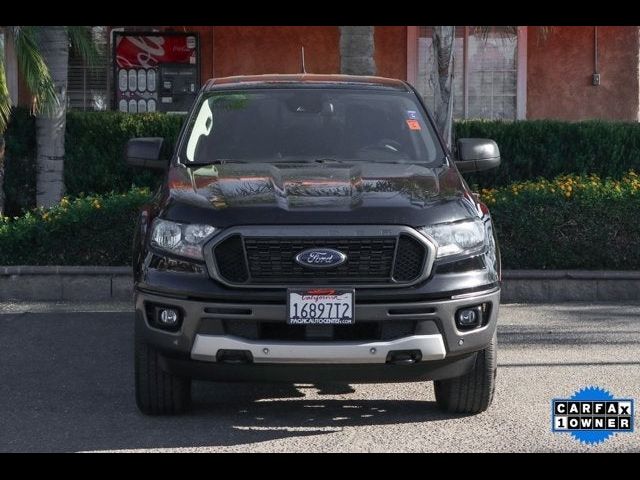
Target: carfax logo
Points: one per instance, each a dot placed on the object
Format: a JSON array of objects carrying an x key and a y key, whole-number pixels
[{"x": 592, "y": 415}]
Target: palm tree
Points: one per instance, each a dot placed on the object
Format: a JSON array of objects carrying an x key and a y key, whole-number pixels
[
  {"x": 357, "y": 49},
  {"x": 42, "y": 56},
  {"x": 442, "y": 74}
]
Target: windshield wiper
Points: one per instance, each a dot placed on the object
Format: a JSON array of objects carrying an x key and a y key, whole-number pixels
[
  {"x": 298, "y": 160},
  {"x": 220, "y": 161},
  {"x": 330, "y": 160}
]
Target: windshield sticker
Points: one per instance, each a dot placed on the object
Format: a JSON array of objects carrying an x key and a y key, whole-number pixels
[
  {"x": 414, "y": 125},
  {"x": 412, "y": 114}
]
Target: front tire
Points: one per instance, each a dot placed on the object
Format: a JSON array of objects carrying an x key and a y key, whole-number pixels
[
  {"x": 472, "y": 392},
  {"x": 158, "y": 392}
]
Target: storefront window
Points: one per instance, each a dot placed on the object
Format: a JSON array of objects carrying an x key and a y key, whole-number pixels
[
  {"x": 88, "y": 85},
  {"x": 485, "y": 71}
]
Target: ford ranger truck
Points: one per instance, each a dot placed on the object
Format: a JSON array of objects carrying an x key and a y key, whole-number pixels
[{"x": 314, "y": 229}]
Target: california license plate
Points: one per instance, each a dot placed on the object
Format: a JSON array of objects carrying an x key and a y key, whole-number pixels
[{"x": 319, "y": 306}]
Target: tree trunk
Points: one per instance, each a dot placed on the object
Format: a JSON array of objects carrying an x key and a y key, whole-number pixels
[
  {"x": 50, "y": 127},
  {"x": 357, "y": 48},
  {"x": 442, "y": 77},
  {"x": 7, "y": 49}
]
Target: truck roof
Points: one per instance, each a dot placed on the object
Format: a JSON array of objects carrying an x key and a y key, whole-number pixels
[{"x": 305, "y": 80}]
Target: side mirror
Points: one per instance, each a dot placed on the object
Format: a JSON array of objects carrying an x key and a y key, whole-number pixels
[
  {"x": 477, "y": 154},
  {"x": 145, "y": 152}
]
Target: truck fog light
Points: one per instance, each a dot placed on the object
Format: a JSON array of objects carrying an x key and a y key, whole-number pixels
[
  {"x": 168, "y": 317},
  {"x": 469, "y": 317}
]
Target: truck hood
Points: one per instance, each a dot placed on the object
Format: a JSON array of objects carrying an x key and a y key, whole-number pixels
[{"x": 327, "y": 193}]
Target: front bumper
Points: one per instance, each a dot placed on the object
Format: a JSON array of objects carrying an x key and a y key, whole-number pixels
[
  {"x": 206, "y": 347},
  {"x": 194, "y": 349}
]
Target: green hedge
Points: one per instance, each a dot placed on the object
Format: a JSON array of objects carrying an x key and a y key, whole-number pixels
[
  {"x": 530, "y": 149},
  {"x": 92, "y": 230},
  {"x": 20, "y": 163},
  {"x": 548, "y": 148},
  {"x": 94, "y": 154},
  {"x": 572, "y": 222},
  {"x": 95, "y": 143}
]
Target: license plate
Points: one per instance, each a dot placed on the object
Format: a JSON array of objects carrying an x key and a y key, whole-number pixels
[{"x": 320, "y": 307}]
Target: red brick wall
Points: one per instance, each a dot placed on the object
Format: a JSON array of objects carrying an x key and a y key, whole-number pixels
[
  {"x": 258, "y": 50},
  {"x": 391, "y": 51},
  {"x": 559, "y": 73},
  {"x": 241, "y": 50}
]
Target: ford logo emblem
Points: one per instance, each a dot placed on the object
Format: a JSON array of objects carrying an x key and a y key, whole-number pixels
[{"x": 321, "y": 258}]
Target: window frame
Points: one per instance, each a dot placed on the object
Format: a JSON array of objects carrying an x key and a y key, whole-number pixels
[
  {"x": 77, "y": 69},
  {"x": 521, "y": 67}
]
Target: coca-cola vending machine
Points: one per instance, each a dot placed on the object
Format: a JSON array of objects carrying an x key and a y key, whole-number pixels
[{"x": 155, "y": 71}]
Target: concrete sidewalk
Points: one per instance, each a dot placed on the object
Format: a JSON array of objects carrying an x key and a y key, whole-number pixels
[{"x": 104, "y": 284}]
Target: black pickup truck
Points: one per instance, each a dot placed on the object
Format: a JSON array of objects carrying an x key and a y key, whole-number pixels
[{"x": 314, "y": 228}]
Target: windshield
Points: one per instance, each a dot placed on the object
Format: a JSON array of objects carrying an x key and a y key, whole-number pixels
[{"x": 310, "y": 124}]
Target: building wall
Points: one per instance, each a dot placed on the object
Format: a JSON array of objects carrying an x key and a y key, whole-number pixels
[
  {"x": 258, "y": 50},
  {"x": 227, "y": 50},
  {"x": 559, "y": 67},
  {"x": 559, "y": 70},
  {"x": 391, "y": 51}
]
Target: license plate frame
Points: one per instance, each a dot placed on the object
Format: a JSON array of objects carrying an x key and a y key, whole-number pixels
[{"x": 346, "y": 295}]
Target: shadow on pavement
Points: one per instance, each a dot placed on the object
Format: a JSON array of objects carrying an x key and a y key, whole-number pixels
[
  {"x": 67, "y": 385},
  {"x": 222, "y": 415}
]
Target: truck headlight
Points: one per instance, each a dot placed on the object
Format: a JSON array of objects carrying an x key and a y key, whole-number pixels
[
  {"x": 180, "y": 239},
  {"x": 456, "y": 237}
]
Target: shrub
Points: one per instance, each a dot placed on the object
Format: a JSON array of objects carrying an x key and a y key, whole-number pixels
[
  {"x": 572, "y": 222},
  {"x": 94, "y": 160},
  {"x": 530, "y": 149},
  {"x": 20, "y": 163},
  {"x": 92, "y": 230},
  {"x": 548, "y": 148}
]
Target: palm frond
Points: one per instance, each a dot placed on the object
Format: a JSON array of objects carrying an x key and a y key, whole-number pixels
[
  {"x": 504, "y": 32},
  {"x": 34, "y": 69},
  {"x": 5, "y": 98},
  {"x": 82, "y": 41},
  {"x": 509, "y": 31}
]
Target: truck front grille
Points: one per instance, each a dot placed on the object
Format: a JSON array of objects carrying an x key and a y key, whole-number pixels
[
  {"x": 273, "y": 260},
  {"x": 410, "y": 259},
  {"x": 252, "y": 260}
]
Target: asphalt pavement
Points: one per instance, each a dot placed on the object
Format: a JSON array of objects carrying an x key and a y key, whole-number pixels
[{"x": 66, "y": 385}]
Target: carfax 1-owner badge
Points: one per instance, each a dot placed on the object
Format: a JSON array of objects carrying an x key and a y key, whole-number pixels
[{"x": 592, "y": 415}]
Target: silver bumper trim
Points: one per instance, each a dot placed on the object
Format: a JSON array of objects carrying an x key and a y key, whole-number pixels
[{"x": 206, "y": 347}]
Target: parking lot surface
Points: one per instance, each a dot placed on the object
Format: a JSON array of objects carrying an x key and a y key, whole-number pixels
[{"x": 67, "y": 385}]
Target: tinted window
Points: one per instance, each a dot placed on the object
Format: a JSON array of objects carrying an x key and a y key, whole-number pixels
[{"x": 310, "y": 124}]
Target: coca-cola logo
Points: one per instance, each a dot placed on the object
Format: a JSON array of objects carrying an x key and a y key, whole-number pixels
[
  {"x": 320, "y": 257},
  {"x": 140, "y": 51},
  {"x": 147, "y": 51}
]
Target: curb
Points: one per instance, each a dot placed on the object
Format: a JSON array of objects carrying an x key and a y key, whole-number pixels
[
  {"x": 550, "y": 286},
  {"x": 66, "y": 283},
  {"x": 90, "y": 283},
  {"x": 64, "y": 269}
]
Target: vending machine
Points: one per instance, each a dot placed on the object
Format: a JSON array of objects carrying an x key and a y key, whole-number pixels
[{"x": 155, "y": 71}]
